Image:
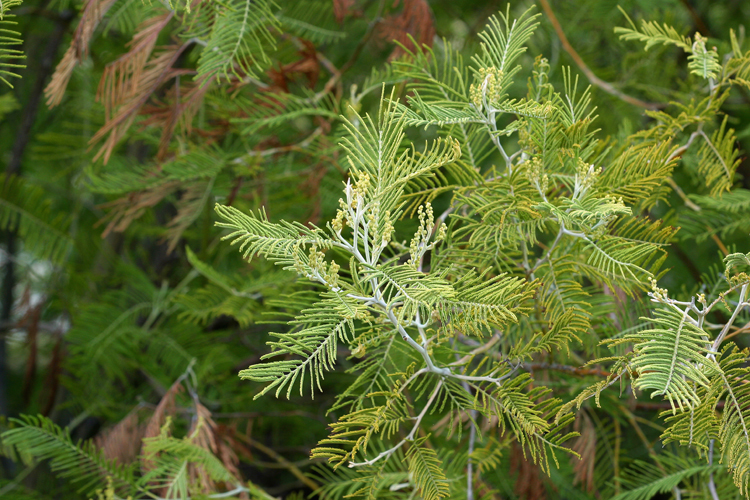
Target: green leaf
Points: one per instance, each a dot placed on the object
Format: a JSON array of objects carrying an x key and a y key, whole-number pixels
[
  {"x": 703, "y": 62},
  {"x": 670, "y": 357},
  {"x": 734, "y": 431},
  {"x": 41, "y": 439},
  {"x": 239, "y": 39},
  {"x": 9, "y": 58},
  {"x": 651, "y": 33},
  {"x": 322, "y": 327},
  {"x": 26, "y": 209},
  {"x": 427, "y": 471},
  {"x": 643, "y": 480}
]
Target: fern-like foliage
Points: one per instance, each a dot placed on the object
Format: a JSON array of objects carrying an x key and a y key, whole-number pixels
[
  {"x": 322, "y": 328},
  {"x": 669, "y": 358},
  {"x": 10, "y": 56},
  {"x": 26, "y": 209},
  {"x": 480, "y": 288},
  {"x": 703, "y": 62},
  {"x": 720, "y": 216},
  {"x": 427, "y": 471},
  {"x": 382, "y": 290},
  {"x": 651, "y": 33},
  {"x": 734, "y": 429},
  {"x": 40, "y": 439},
  {"x": 682, "y": 362},
  {"x": 525, "y": 244},
  {"x": 239, "y": 39},
  {"x": 644, "y": 480}
]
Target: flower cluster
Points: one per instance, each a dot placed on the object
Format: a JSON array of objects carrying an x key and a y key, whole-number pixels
[
  {"x": 316, "y": 267},
  {"x": 355, "y": 197},
  {"x": 488, "y": 89},
  {"x": 388, "y": 230},
  {"x": 586, "y": 175},
  {"x": 420, "y": 242},
  {"x": 536, "y": 176},
  {"x": 660, "y": 294}
]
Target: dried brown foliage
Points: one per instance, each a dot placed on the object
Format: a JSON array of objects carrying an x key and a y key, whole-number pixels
[
  {"x": 91, "y": 16},
  {"x": 529, "y": 477},
  {"x": 342, "y": 8},
  {"x": 413, "y": 24},
  {"x": 122, "y": 441},
  {"x": 178, "y": 108},
  {"x": 121, "y": 78},
  {"x": 203, "y": 433},
  {"x": 165, "y": 407},
  {"x": 123, "y": 211},
  {"x": 307, "y": 65},
  {"x": 132, "y": 79},
  {"x": 121, "y": 109},
  {"x": 585, "y": 446}
]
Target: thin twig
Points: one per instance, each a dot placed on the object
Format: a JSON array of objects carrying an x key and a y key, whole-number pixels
[
  {"x": 595, "y": 80},
  {"x": 711, "y": 485},
  {"x": 719, "y": 243},
  {"x": 740, "y": 305},
  {"x": 281, "y": 460},
  {"x": 470, "y": 465},
  {"x": 677, "y": 189},
  {"x": 409, "y": 437},
  {"x": 566, "y": 368}
]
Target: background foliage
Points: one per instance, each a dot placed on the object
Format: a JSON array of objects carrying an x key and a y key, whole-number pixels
[{"x": 125, "y": 319}]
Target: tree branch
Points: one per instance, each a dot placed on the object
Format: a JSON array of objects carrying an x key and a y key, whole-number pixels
[{"x": 595, "y": 80}]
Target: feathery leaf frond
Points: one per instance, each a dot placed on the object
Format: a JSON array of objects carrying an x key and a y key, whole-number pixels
[
  {"x": 322, "y": 327},
  {"x": 651, "y": 33},
  {"x": 643, "y": 480},
  {"x": 734, "y": 432},
  {"x": 239, "y": 39},
  {"x": 25, "y": 208},
  {"x": 427, "y": 470},
  {"x": 41, "y": 439},
  {"x": 668, "y": 357},
  {"x": 9, "y": 57}
]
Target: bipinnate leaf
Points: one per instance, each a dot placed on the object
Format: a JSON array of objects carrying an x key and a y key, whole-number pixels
[
  {"x": 670, "y": 357},
  {"x": 426, "y": 470}
]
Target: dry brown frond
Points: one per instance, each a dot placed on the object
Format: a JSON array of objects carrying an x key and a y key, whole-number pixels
[
  {"x": 189, "y": 207},
  {"x": 165, "y": 407},
  {"x": 122, "y": 441},
  {"x": 529, "y": 484},
  {"x": 121, "y": 77},
  {"x": 123, "y": 211},
  {"x": 414, "y": 21},
  {"x": 55, "y": 89},
  {"x": 204, "y": 433},
  {"x": 201, "y": 433},
  {"x": 121, "y": 114},
  {"x": 585, "y": 446},
  {"x": 341, "y": 9},
  {"x": 91, "y": 16},
  {"x": 307, "y": 65},
  {"x": 226, "y": 446},
  {"x": 181, "y": 103}
]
